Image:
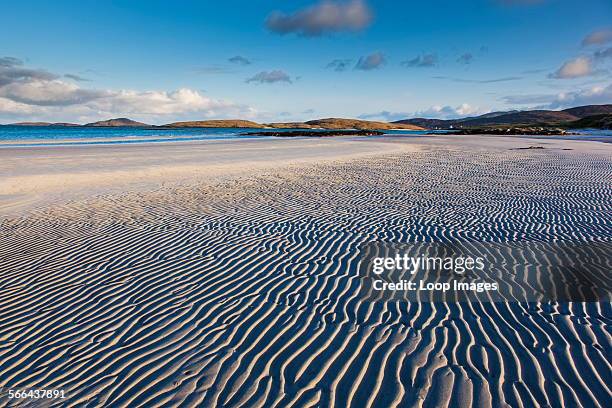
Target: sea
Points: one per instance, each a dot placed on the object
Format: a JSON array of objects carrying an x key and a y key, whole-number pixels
[{"x": 24, "y": 136}]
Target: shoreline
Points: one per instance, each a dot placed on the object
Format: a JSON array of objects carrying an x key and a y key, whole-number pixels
[
  {"x": 41, "y": 142},
  {"x": 604, "y": 137}
]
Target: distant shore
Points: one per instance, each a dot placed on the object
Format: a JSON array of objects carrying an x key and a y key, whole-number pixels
[
  {"x": 579, "y": 117},
  {"x": 329, "y": 123}
]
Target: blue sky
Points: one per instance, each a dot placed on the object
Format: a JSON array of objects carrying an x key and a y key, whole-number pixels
[{"x": 163, "y": 61}]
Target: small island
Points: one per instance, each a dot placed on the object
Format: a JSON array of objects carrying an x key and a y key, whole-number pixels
[{"x": 117, "y": 122}]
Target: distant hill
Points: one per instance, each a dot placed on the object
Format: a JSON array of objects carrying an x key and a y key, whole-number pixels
[
  {"x": 118, "y": 122},
  {"x": 595, "y": 121},
  {"x": 448, "y": 123},
  {"x": 521, "y": 118},
  {"x": 227, "y": 123},
  {"x": 427, "y": 123},
  {"x": 330, "y": 123},
  {"x": 529, "y": 118},
  {"x": 58, "y": 124},
  {"x": 494, "y": 114},
  {"x": 340, "y": 123},
  {"x": 512, "y": 118},
  {"x": 589, "y": 110}
]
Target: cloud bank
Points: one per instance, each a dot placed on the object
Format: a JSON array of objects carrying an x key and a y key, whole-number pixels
[
  {"x": 591, "y": 96},
  {"x": 449, "y": 112},
  {"x": 37, "y": 94},
  {"x": 594, "y": 95},
  {"x": 323, "y": 18},
  {"x": 434, "y": 112}
]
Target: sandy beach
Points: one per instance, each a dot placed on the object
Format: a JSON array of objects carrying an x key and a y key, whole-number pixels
[
  {"x": 222, "y": 273},
  {"x": 36, "y": 177}
]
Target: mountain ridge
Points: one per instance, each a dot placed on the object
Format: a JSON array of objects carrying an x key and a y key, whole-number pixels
[{"x": 527, "y": 117}]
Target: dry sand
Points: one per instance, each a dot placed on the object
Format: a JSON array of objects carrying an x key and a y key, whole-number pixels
[
  {"x": 223, "y": 274},
  {"x": 39, "y": 176}
]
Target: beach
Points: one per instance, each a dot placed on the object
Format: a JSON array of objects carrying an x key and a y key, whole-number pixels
[
  {"x": 39, "y": 176},
  {"x": 223, "y": 273}
]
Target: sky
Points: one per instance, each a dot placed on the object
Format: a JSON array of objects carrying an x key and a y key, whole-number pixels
[{"x": 272, "y": 60}]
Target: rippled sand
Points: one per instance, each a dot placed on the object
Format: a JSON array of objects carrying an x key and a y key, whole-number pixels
[{"x": 243, "y": 291}]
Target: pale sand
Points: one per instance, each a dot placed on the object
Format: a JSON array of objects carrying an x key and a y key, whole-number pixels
[
  {"x": 235, "y": 285},
  {"x": 36, "y": 177}
]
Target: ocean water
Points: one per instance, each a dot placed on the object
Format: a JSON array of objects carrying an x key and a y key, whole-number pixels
[
  {"x": 54, "y": 135},
  {"x": 12, "y": 136},
  {"x": 17, "y": 136}
]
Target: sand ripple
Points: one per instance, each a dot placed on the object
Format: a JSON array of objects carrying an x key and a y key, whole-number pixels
[{"x": 246, "y": 293}]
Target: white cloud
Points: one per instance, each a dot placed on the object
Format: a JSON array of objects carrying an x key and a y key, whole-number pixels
[
  {"x": 28, "y": 94},
  {"x": 13, "y": 109},
  {"x": 386, "y": 116},
  {"x": 154, "y": 107},
  {"x": 591, "y": 96},
  {"x": 182, "y": 101},
  {"x": 324, "y": 17},
  {"x": 449, "y": 112},
  {"x": 576, "y": 68},
  {"x": 595, "y": 95},
  {"x": 50, "y": 93},
  {"x": 434, "y": 112}
]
